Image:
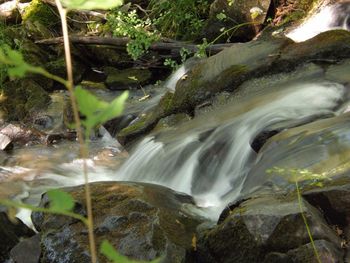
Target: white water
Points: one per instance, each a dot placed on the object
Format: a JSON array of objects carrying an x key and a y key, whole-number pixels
[
  {"x": 212, "y": 162},
  {"x": 336, "y": 16}
]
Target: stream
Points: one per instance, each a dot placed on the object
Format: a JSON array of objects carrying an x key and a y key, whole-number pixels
[{"x": 210, "y": 157}]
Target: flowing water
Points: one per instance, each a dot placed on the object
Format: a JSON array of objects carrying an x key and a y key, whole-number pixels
[{"x": 209, "y": 157}]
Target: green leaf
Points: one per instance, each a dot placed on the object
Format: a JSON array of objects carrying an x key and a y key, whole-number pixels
[
  {"x": 91, "y": 4},
  {"x": 88, "y": 103},
  {"x": 97, "y": 111},
  {"x": 109, "y": 252},
  {"x": 17, "y": 67},
  {"x": 221, "y": 16},
  {"x": 60, "y": 200}
]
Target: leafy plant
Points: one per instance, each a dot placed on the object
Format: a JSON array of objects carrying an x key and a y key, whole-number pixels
[
  {"x": 181, "y": 19},
  {"x": 140, "y": 32}
]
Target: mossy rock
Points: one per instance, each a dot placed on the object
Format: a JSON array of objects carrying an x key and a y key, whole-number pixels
[
  {"x": 40, "y": 20},
  {"x": 330, "y": 45},
  {"x": 142, "y": 221},
  {"x": 127, "y": 78},
  {"x": 22, "y": 98}
]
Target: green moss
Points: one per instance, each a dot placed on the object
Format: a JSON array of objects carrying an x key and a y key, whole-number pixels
[
  {"x": 39, "y": 11},
  {"x": 135, "y": 127},
  {"x": 40, "y": 20}
]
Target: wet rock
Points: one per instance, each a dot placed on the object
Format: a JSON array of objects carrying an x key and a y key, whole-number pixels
[
  {"x": 235, "y": 14},
  {"x": 11, "y": 233},
  {"x": 117, "y": 124},
  {"x": 127, "y": 78},
  {"x": 262, "y": 225},
  {"x": 27, "y": 251},
  {"x": 261, "y": 138},
  {"x": 21, "y": 135},
  {"x": 138, "y": 219},
  {"x": 5, "y": 142},
  {"x": 328, "y": 47}
]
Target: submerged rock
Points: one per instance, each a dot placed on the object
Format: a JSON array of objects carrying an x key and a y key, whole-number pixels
[
  {"x": 142, "y": 221},
  {"x": 127, "y": 78}
]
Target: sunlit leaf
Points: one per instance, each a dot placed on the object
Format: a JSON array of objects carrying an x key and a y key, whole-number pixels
[
  {"x": 91, "y": 4},
  {"x": 60, "y": 200},
  {"x": 17, "y": 67},
  {"x": 88, "y": 103}
]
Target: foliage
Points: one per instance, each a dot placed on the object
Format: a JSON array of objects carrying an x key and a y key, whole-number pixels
[
  {"x": 181, "y": 19},
  {"x": 139, "y": 31},
  {"x": 184, "y": 54},
  {"x": 90, "y": 4}
]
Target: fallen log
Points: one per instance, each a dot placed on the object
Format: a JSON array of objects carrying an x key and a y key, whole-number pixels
[{"x": 165, "y": 46}]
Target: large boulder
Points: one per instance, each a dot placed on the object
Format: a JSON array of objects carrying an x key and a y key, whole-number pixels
[
  {"x": 142, "y": 221},
  {"x": 243, "y": 19},
  {"x": 265, "y": 228}
]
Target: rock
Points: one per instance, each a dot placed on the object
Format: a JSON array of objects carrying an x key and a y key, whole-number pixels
[
  {"x": 27, "y": 251},
  {"x": 127, "y": 78},
  {"x": 58, "y": 68},
  {"x": 24, "y": 97},
  {"x": 263, "y": 225},
  {"x": 239, "y": 13},
  {"x": 11, "y": 233},
  {"x": 40, "y": 20},
  {"x": 5, "y": 142},
  {"x": 224, "y": 71},
  {"x": 328, "y": 46},
  {"x": 22, "y": 135},
  {"x": 142, "y": 221},
  {"x": 333, "y": 199},
  {"x": 9, "y": 12},
  {"x": 326, "y": 251}
]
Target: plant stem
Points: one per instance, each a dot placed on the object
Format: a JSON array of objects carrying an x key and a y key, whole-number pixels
[
  {"x": 306, "y": 224},
  {"x": 83, "y": 148}
]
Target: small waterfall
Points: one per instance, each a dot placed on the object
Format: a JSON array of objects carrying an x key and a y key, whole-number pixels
[
  {"x": 336, "y": 16},
  {"x": 212, "y": 160}
]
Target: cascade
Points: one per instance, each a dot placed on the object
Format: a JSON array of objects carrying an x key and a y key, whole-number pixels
[
  {"x": 335, "y": 16},
  {"x": 212, "y": 159}
]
